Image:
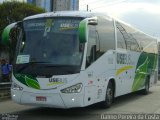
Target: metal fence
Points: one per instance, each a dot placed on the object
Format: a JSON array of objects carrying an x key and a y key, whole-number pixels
[
  {"x": 5, "y": 90},
  {"x": 5, "y": 85}
]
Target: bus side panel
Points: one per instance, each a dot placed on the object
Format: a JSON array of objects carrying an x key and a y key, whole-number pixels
[
  {"x": 125, "y": 71},
  {"x": 146, "y": 67}
]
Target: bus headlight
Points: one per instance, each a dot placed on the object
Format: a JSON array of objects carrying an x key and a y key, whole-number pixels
[
  {"x": 16, "y": 87},
  {"x": 73, "y": 89}
]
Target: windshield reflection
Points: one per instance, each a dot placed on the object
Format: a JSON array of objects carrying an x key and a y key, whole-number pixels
[{"x": 50, "y": 41}]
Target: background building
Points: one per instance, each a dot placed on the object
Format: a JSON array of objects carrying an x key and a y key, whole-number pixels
[
  {"x": 74, "y": 4},
  {"x": 60, "y": 5},
  {"x": 56, "y": 5},
  {"x": 46, "y": 4},
  {"x": 31, "y": 1}
]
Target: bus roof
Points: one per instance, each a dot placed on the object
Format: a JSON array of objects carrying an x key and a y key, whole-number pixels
[{"x": 84, "y": 14}]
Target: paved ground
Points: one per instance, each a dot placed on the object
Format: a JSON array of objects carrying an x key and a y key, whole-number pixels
[{"x": 128, "y": 104}]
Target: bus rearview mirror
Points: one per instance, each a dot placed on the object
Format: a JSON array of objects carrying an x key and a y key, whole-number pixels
[
  {"x": 83, "y": 28},
  {"x": 6, "y": 40}
]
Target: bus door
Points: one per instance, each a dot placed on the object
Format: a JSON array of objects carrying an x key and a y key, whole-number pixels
[{"x": 90, "y": 66}]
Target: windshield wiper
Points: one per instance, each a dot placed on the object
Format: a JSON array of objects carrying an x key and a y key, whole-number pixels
[
  {"x": 26, "y": 65},
  {"x": 58, "y": 65},
  {"x": 70, "y": 69},
  {"x": 38, "y": 62}
]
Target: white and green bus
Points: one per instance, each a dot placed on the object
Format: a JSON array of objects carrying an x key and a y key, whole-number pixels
[{"x": 75, "y": 59}]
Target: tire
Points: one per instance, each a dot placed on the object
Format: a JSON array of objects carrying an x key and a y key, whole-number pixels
[
  {"x": 145, "y": 91},
  {"x": 109, "y": 96}
]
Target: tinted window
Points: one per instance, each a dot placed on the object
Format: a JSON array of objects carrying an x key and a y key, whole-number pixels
[
  {"x": 49, "y": 46},
  {"x": 147, "y": 43},
  {"x": 128, "y": 35},
  {"x": 121, "y": 43},
  {"x": 105, "y": 30},
  {"x": 92, "y": 39},
  {"x": 54, "y": 39}
]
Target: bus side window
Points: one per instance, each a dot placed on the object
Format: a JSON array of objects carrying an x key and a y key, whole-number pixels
[
  {"x": 91, "y": 48},
  {"x": 125, "y": 35},
  {"x": 98, "y": 52},
  {"x": 106, "y": 34},
  {"x": 121, "y": 43}
]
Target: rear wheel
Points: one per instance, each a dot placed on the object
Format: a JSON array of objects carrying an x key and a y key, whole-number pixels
[
  {"x": 109, "y": 96},
  {"x": 145, "y": 91}
]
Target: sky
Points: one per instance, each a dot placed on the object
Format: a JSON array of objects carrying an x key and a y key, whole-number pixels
[{"x": 141, "y": 14}]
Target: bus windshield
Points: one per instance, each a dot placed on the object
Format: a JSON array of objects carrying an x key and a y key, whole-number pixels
[{"x": 50, "y": 41}]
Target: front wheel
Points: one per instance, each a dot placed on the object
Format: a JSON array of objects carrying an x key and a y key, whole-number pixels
[{"x": 109, "y": 96}]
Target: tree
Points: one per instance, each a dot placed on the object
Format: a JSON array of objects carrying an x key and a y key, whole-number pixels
[{"x": 15, "y": 11}]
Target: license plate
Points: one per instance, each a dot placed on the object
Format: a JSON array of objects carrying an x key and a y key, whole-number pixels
[{"x": 41, "y": 98}]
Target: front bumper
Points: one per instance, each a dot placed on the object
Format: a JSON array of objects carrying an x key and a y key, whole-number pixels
[{"x": 56, "y": 100}]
